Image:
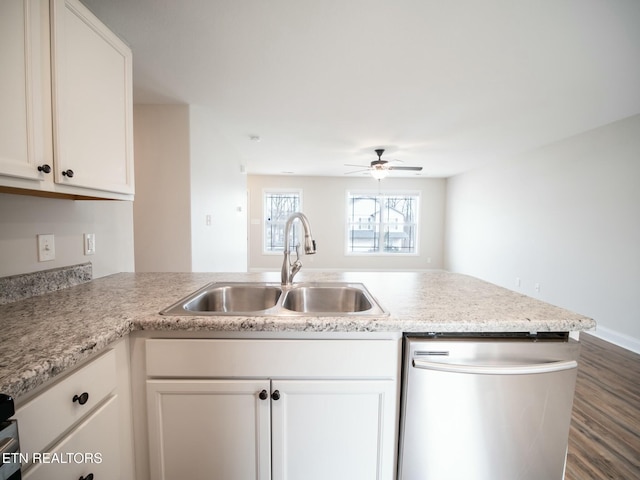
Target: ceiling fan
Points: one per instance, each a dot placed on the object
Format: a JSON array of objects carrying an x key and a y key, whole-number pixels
[{"x": 379, "y": 168}]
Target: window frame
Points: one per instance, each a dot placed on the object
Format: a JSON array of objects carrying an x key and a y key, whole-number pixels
[
  {"x": 379, "y": 241},
  {"x": 277, "y": 191}
]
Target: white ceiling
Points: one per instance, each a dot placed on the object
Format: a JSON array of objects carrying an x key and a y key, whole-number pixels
[{"x": 443, "y": 84}]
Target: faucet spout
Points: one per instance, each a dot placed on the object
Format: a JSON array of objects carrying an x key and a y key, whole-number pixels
[{"x": 290, "y": 269}]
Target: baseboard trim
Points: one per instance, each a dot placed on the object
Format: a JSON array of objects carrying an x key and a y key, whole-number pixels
[{"x": 621, "y": 339}]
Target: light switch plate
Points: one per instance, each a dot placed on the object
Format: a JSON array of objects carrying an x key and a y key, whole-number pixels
[
  {"x": 46, "y": 248},
  {"x": 89, "y": 243}
]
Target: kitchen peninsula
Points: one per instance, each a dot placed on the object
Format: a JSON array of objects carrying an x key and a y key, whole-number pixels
[{"x": 47, "y": 336}]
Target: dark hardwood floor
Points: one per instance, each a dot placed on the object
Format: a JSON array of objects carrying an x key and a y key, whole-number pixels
[{"x": 604, "y": 439}]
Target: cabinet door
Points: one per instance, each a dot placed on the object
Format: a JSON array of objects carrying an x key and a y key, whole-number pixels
[
  {"x": 92, "y": 103},
  {"x": 334, "y": 429},
  {"x": 21, "y": 64},
  {"x": 91, "y": 448},
  {"x": 209, "y": 429}
]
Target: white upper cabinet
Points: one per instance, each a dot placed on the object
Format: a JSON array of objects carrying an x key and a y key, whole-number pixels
[
  {"x": 92, "y": 101},
  {"x": 66, "y": 124},
  {"x": 22, "y": 116}
]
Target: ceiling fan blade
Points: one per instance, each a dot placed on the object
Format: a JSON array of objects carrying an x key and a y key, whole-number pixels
[
  {"x": 357, "y": 171},
  {"x": 353, "y": 165},
  {"x": 415, "y": 169}
]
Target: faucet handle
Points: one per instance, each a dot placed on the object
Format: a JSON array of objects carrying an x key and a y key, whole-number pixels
[{"x": 295, "y": 268}]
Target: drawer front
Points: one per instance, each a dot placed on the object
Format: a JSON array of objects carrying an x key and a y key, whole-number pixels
[
  {"x": 91, "y": 448},
  {"x": 50, "y": 414},
  {"x": 200, "y": 358}
]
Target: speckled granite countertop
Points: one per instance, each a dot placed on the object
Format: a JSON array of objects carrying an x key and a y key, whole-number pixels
[{"x": 44, "y": 335}]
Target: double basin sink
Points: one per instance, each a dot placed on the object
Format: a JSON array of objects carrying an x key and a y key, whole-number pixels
[{"x": 273, "y": 299}]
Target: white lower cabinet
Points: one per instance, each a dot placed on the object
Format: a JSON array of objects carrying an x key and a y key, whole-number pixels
[
  {"x": 208, "y": 429},
  {"x": 91, "y": 451},
  {"x": 332, "y": 429},
  {"x": 333, "y": 422},
  {"x": 80, "y": 426}
]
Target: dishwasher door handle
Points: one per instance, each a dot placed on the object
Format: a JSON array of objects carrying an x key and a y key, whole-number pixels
[{"x": 497, "y": 369}]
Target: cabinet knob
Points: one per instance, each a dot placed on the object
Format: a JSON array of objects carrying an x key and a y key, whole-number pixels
[
  {"x": 44, "y": 168},
  {"x": 275, "y": 395},
  {"x": 67, "y": 173},
  {"x": 263, "y": 395},
  {"x": 81, "y": 399},
  {"x": 88, "y": 477}
]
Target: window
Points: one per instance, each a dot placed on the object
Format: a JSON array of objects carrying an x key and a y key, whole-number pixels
[
  {"x": 278, "y": 205},
  {"x": 385, "y": 224}
]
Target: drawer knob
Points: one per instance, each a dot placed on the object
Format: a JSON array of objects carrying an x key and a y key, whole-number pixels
[
  {"x": 67, "y": 173},
  {"x": 44, "y": 168},
  {"x": 263, "y": 395},
  {"x": 275, "y": 395},
  {"x": 88, "y": 477},
  {"x": 82, "y": 399}
]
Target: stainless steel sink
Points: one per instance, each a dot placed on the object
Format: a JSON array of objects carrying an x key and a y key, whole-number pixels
[
  {"x": 343, "y": 299},
  {"x": 234, "y": 298},
  {"x": 228, "y": 299},
  {"x": 273, "y": 299}
]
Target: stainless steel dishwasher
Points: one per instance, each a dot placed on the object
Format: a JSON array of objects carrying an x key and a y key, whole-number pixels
[{"x": 494, "y": 407}]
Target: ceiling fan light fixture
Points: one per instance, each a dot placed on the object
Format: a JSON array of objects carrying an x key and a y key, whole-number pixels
[
  {"x": 379, "y": 173},
  {"x": 379, "y": 168}
]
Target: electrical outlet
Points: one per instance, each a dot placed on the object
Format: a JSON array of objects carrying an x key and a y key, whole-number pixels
[
  {"x": 89, "y": 243},
  {"x": 46, "y": 248}
]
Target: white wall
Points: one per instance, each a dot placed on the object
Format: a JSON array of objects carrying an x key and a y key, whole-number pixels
[
  {"x": 162, "y": 214},
  {"x": 566, "y": 217},
  {"x": 23, "y": 217},
  {"x": 185, "y": 170},
  {"x": 324, "y": 202},
  {"x": 218, "y": 189}
]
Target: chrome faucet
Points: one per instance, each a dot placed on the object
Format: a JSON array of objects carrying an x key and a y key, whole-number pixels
[{"x": 290, "y": 269}]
